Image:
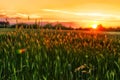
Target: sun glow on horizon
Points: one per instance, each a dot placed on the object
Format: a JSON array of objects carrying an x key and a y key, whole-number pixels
[
  {"x": 94, "y": 26},
  {"x": 86, "y": 19},
  {"x": 107, "y": 12}
]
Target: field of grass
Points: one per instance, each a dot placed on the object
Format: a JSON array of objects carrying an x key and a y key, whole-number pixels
[{"x": 58, "y": 55}]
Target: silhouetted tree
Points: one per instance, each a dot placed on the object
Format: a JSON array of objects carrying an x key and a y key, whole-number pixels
[
  {"x": 4, "y": 24},
  {"x": 48, "y": 26},
  {"x": 100, "y": 27},
  {"x": 19, "y": 25}
]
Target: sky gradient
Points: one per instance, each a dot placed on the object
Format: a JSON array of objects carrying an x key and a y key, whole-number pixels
[{"x": 84, "y": 12}]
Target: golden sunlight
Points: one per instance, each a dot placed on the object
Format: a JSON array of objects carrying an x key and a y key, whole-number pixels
[
  {"x": 94, "y": 26},
  {"x": 79, "y": 11}
]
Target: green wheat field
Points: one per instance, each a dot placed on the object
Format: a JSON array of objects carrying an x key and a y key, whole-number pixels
[{"x": 30, "y": 54}]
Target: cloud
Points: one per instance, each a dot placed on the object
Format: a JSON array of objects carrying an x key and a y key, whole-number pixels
[
  {"x": 2, "y": 16},
  {"x": 14, "y": 14},
  {"x": 61, "y": 15},
  {"x": 81, "y": 13},
  {"x": 74, "y": 13},
  {"x": 58, "y": 11}
]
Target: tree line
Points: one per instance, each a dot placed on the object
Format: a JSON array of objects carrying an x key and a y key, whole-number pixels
[{"x": 58, "y": 26}]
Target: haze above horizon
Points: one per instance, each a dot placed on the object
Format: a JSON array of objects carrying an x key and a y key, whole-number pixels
[{"x": 86, "y": 13}]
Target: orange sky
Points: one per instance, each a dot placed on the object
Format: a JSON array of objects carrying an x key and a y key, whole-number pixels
[{"x": 85, "y": 12}]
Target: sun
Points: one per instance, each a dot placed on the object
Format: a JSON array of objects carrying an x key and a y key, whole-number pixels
[{"x": 94, "y": 26}]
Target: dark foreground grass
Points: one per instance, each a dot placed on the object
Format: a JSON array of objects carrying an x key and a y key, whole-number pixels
[{"x": 58, "y": 55}]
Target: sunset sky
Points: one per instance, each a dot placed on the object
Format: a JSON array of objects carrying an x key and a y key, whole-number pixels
[{"x": 84, "y": 12}]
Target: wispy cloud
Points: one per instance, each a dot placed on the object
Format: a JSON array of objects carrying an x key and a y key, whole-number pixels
[
  {"x": 2, "y": 16},
  {"x": 74, "y": 13},
  {"x": 58, "y": 11},
  {"x": 89, "y": 14},
  {"x": 63, "y": 15}
]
